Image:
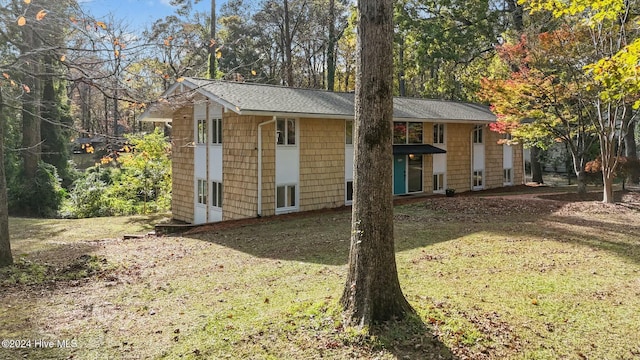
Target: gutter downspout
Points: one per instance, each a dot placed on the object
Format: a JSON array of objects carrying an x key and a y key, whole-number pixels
[{"x": 260, "y": 163}]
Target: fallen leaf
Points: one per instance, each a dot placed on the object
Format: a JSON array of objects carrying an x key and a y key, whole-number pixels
[
  {"x": 41, "y": 14},
  {"x": 6, "y": 76},
  {"x": 22, "y": 21}
]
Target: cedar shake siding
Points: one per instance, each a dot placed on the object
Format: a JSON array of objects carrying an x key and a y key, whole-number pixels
[
  {"x": 322, "y": 151},
  {"x": 268, "y": 168},
  {"x": 240, "y": 165},
  {"x": 493, "y": 167},
  {"x": 459, "y": 156},
  {"x": 182, "y": 191}
]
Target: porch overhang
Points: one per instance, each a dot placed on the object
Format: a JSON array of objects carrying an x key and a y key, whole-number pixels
[{"x": 417, "y": 149}]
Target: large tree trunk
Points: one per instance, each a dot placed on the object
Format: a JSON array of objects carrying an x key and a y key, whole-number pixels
[
  {"x": 536, "y": 166},
  {"x": 372, "y": 292},
  {"x": 5, "y": 244}
]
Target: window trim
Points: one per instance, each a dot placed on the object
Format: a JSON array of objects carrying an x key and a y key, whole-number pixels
[
  {"x": 202, "y": 192},
  {"x": 216, "y": 136},
  {"x": 202, "y": 131},
  {"x": 348, "y": 140},
  {"x": 406, "y": 132},
  {"x": 287, "y": 192},
  {"x": 439, "y": 133},
  {"x": 216, "y": 194},
  {"x": 286, "y": 137},
  {"x": 478, "y": 134},
  {"x": 507, "y": 180},
  {"x": 348, "y": 201},
  {"x": 478, "y": 174},
  {"x": 436, "y": 181}
]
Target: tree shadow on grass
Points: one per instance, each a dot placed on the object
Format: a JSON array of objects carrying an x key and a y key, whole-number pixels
[
  {"x": 622, "y": 240},
  {"x": 411, "y": 338}
]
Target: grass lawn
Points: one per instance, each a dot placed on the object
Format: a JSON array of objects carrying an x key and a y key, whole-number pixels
[{"x": 489, "y": 278}]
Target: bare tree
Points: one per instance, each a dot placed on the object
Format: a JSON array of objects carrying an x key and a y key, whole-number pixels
[
  {"x": 5, "y": 244},
  {"x": 372, "y": 292}
]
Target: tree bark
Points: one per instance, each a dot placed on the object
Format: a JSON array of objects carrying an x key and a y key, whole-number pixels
[
  {"x": 288, "y": 40},
  {"x": 401, "y": 81},
  {"x": 30, "y": 106},
  {"x": 5, "y": 244},
  {"x": 630, "y": 148},
  {"x": 331, "y": 47},
  {"x": 212, "y": 48},
  {"x": 372, "y": 292},
  {"x": 536, "y": 166}
]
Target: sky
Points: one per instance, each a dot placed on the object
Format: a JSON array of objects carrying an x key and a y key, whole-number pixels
[{"x": 138, "y": 14}]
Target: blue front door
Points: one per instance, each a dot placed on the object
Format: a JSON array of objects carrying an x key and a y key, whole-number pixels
[{"x": 399, "y": 174}]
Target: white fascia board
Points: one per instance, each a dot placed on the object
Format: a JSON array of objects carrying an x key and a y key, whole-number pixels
[
  {"x": 295, "y": 115},
  {"x": 446, "y": 121}
]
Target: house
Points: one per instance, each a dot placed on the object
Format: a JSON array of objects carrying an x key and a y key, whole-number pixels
[{"x": 243, "y": 150}]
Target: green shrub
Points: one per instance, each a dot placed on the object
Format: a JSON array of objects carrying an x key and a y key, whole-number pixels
[
  {"x": 139, "y": 183},
  {"x": 41, "y": 197}
]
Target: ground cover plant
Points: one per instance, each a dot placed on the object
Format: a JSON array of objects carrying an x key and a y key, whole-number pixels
[{"x": 519, "y": 275}]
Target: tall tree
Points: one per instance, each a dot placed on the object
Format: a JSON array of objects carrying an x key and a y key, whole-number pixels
[
  {"x": 609, "y": 62},
  {"x": 372, "y": 292},
  {"x": 5, "y": 244},
  {"x": 213, "y": 43},
  {"x": 543, "y": 100}
]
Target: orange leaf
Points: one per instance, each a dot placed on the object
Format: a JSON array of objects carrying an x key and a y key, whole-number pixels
[
  {"x": 22, "y": 21},
  {"x": 13, "y": 83},
  {"x": 253, "y": 72},
  {"x": 27, "y": 1},
  {"x": 6, "y": 76},
  {"x": 40, "y": 15},
  {"x": 63, "y": 58},
  {"x": 26, "y": 88},
  {"x": 101, "y": 24},
  {"x": 116, "y": 52},
  {"x": 180, "y": 79}
]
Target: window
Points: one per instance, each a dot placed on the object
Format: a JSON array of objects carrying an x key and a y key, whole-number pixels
[
  {"x": 286, "y": 196},
  {"x": 202, "y": 132},
  {"x": 216, "y": 194},
  {"x": 508, "y": 176},
  {"x": 348, "y": 132},
  {"x": 438, "y": 182},
  {"x": 407, "y": 133},
  {"x": 286, "y": 131},
  {"x": 216, "y": 131},
  {"x": 477, "y": 134},
  {"x": 438, "y": 133},
  {"x": 202, "y": 191},
  {"x": 415, "y": 133},
  {"x": 349, "y": 194},
  {"x": 477, "y": 178},
  {"x": 414, "y": 180}
]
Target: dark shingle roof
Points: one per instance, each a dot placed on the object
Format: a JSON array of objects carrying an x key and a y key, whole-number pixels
[{"x": 260, "y": 98}]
